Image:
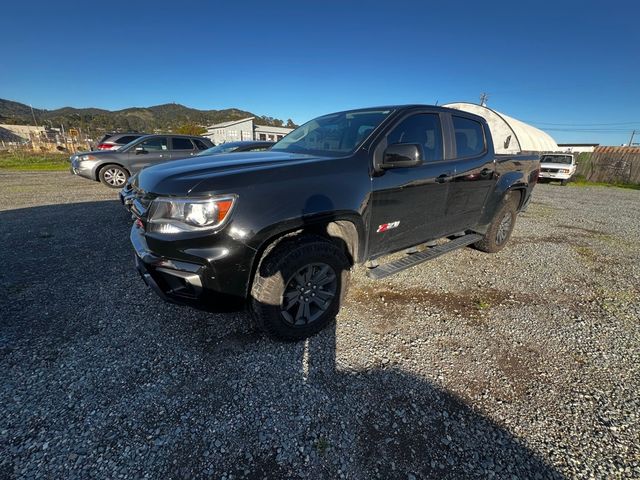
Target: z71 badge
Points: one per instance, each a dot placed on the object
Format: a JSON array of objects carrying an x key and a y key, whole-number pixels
[{"x": 387, "y": 226}]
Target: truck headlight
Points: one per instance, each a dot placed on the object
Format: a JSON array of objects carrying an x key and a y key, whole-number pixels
[
  {"x": 564, "y": 170},
  {"x": 176, "y": 215}
]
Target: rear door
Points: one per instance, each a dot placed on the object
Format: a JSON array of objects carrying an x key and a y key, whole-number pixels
[
  {"x": 182, "y": 147},
  {"x": 408, "y": 204},
  {"x": 149, "y": 151},
  {"x": 475, "y": 173}
]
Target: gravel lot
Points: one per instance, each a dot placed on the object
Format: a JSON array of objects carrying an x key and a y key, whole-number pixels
[{"x": 522, "y": 364}]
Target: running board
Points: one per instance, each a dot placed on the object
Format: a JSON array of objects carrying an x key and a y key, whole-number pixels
[{"x": 391, "y": 268}]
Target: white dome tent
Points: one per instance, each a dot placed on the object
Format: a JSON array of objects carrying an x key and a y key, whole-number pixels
[{"x": 510, "y": 135}]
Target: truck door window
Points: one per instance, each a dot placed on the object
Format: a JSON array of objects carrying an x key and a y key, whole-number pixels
[
  {"x": 469, "y": 137},
  {"x": 423, "y": 129}
]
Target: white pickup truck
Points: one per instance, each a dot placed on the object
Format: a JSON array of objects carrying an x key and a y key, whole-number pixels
[{"x": 557, "y": 166}]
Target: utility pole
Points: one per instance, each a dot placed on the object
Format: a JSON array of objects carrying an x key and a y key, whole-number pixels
[
  {"x": 633, "y": 134},
  {"x": 35, "y": 124},
  {"x": 483, "y": 99}
]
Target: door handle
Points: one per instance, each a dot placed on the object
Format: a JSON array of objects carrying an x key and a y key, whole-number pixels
[{"x": 445, "y": 177}]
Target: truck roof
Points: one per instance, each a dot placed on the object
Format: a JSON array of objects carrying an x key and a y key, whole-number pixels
[{"x": 413, "y": 106}]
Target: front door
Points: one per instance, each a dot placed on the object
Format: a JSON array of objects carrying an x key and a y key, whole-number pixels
[
  {"x": 408, "y": 204},
  {"x": 149, "y": 152}
]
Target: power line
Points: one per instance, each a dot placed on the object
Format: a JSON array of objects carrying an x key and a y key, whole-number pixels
[
  {"x": 595, "y": 130},
  {"x": 583, "y": 124}
]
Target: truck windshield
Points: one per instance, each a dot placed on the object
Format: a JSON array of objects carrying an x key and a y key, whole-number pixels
[
  {"x": 566, "y": 159},
  {"x": 332, "y": 135}
]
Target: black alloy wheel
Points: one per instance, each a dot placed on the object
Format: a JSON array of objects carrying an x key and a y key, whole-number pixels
[{"x": 308, "y": 294}]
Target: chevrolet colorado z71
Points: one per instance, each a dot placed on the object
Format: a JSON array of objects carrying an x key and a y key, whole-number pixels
[{"x": 283, "y": 228}]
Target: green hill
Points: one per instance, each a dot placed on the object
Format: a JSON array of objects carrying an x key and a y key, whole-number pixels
[{"x": 95, "y": 121}]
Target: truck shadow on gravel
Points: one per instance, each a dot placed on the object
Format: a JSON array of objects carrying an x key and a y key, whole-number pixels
[{"x": 100, "y": 378}]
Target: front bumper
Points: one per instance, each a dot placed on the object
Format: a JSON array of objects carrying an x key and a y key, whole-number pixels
[
  {"x": 219, "y": 284},
  {"x": 551, "y": 175},
  {"x": 86, "y": 169},
  {"x": 171, "y": 279}
]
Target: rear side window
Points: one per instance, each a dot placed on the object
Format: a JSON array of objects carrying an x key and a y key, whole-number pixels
[
  {"x": 182, "y": 144},
  {"x": 200, "y": 144},
  {"x": 469, "y": 137},
  {"x": 154, "y": 144},
  {"x": 126, "y": 139},
  {"x": 423, "y": 129}
]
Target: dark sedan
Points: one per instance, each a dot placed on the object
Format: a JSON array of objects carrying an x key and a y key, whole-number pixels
[{"x": 245, "y": 146}]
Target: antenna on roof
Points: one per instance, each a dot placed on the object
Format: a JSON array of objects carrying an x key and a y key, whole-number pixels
[{"x": 483, "y": 99}]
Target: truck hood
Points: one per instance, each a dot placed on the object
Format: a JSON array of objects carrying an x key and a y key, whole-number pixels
[{"x": 181, "y": 177}]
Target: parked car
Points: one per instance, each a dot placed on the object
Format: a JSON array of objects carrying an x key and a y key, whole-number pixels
[
  {"x": 128, "y": 191},
  {"x": 244, "y": 146},
  {"x": 557, "y": 166},
  {"x": 113, "y": 167},
  {"x": 283, "y": 228},
  {"x": 113, "y": 141}
]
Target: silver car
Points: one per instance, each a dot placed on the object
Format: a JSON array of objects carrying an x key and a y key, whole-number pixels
[{"x": 113, "y": 167}]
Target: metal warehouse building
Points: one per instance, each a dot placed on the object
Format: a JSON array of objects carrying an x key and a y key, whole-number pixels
[{"x": 244, "y": 129}]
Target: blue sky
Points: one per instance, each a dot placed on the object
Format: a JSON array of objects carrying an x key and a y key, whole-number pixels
[{"x": 563, "y": 66}]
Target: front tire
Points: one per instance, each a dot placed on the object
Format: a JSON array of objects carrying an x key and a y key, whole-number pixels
[
  {"x": 564, "y": 182},
  {"x": 113, "y": 176},
  {"x": 299, "y": 287},
  {"x": 501, "y": 226}
]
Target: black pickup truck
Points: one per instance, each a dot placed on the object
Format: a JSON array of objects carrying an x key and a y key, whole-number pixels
[{"x": 280, "y": 230}]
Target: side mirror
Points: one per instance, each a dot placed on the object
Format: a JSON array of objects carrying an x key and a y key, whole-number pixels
[
  {"x": 140, "y": 150},
  {"x": 402, "y": 155}
]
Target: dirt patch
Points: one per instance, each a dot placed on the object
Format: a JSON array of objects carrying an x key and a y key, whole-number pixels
[
  {"x": 393, "y": 302},
  {"x": 554, "y": 239},
  {"x": 585, "y": 231},
  {"x": 542, "y": 210},
  {"x": 518, "y": 367},
  {"x": 595, "y": 260},
  {"x": 586, "y": 253}
]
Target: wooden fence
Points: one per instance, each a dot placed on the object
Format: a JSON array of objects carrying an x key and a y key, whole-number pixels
[{"x": 610, "y": 165}]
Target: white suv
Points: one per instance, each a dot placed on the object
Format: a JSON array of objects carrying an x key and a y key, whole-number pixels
[{"x": 557, "y": 166}]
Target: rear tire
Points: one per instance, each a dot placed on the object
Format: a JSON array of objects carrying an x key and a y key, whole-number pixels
[
  {"x": 299, "y": 287},
  {"x": 501, "y": 226},
  {"x": 113, "y": 176}
]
